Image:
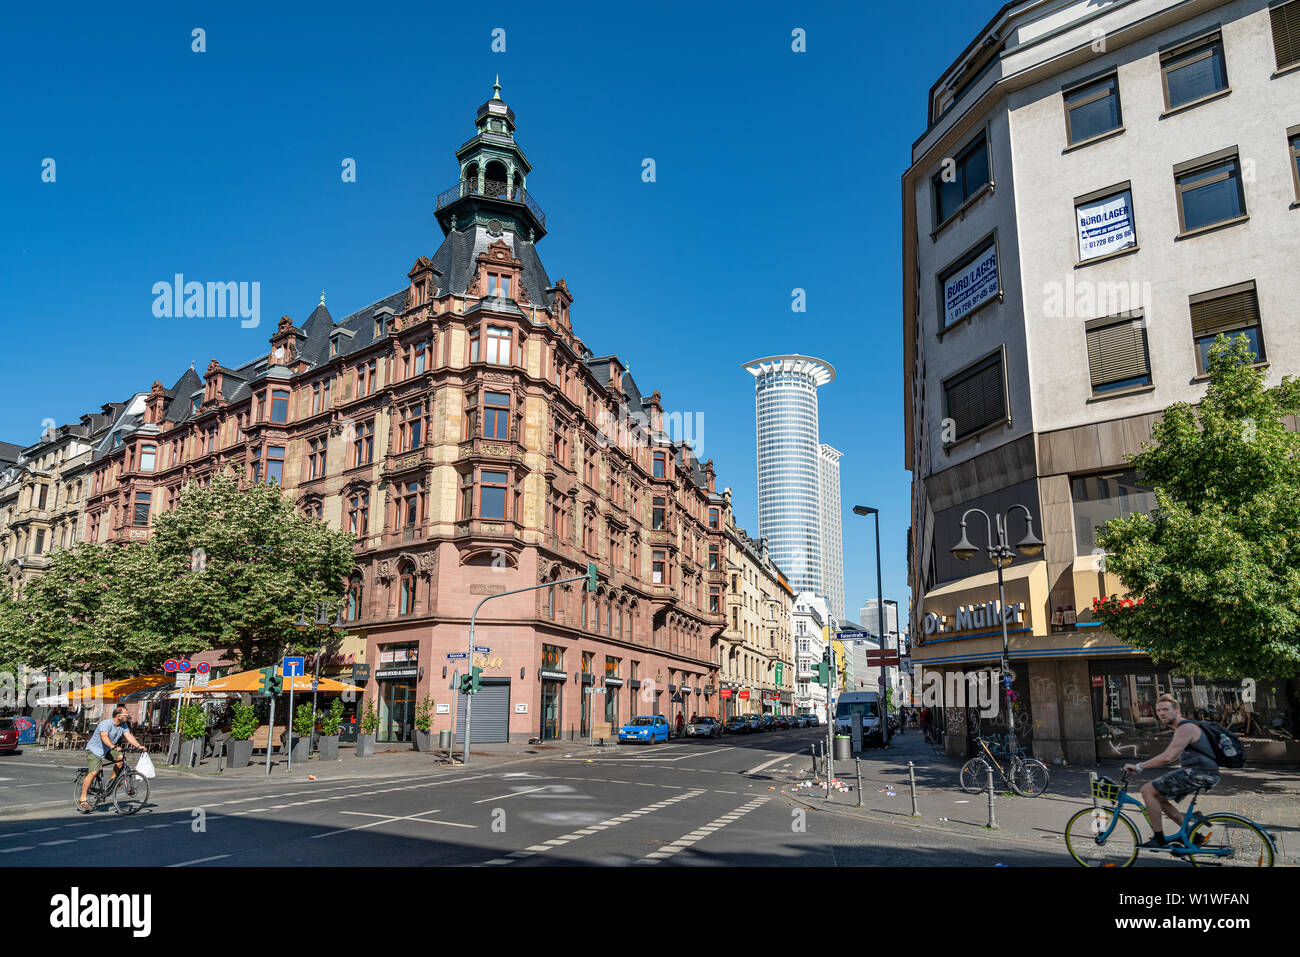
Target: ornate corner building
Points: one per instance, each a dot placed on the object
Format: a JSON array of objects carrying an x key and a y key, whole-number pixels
[{"x": 474, "y": 444}]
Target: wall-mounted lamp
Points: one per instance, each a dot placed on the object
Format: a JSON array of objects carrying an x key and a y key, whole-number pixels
[
  {"x": 444, "y": 671},
  {"x": 521, "y": 674}
]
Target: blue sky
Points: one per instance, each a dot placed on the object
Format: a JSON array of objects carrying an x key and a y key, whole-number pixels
[{"x": 775, "y": 170}]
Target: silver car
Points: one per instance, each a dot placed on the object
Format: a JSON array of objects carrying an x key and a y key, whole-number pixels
[{"x": 706, "y": 727}]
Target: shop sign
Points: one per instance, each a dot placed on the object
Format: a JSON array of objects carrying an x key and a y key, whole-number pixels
[
  {"x": 614, "y": 682},
  {"x": 444, "y": 709},
  {"x": 1098, "y": 681},
  {"x": 725, "y": 692},
  {"x": 389, "y": 673},
  {"x": 400, "y": 654},
  {"x": 546, "y": 675},
  {"x": 333, "y": 661},
  {"x": 744, "y": 694},
  {"x": 483, "y": 661},
  {"x": 971, "y": 617},
  {"x": 360, "y": 673}
]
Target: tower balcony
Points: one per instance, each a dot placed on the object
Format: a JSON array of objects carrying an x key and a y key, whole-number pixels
[{"x": 492, "y": 190}]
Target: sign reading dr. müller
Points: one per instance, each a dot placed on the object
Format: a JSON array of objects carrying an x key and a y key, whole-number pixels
[
  {"x": 971, "y": 287},
  {"x": 1105, "y": 226}
]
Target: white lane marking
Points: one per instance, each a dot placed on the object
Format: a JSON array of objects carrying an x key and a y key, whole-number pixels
[
  {"x": 54, "y": 843},
  {"x": 767, "y": 764},
  {"x": 201, "y": 860},
  {"x": 690, "y": 839},
  {"x": 502, "y": 797},
  {"x": 611, "y": 822},
  {"x": 388, "y": 819},
  {"x": 10, "y": 850}
]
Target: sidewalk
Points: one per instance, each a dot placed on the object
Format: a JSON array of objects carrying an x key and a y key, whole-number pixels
[{"x": 1268, "y": 797}]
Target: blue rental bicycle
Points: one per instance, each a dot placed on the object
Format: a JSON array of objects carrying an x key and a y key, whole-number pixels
[{"x": 1105, "y": 837}]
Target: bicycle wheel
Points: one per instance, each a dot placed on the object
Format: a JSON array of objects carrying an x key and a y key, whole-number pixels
[
  {"x": 974, "y": 776},
  {"x": 131, "y": 793},
  {"x": 1029, "y": 777},
  {"x": 92, "y": 794},
  {"x": 1248, "y": 844},
  {"x": 1083, "y": 838}
]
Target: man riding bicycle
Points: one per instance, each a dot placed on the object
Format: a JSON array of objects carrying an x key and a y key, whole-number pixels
[
  {"x": 1197, "y": 769},
  {"x": 102, "y": 746}
]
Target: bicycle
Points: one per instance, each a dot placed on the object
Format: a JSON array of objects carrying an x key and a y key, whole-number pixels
[
  {"x": 1026, "y": 776},
  {"x": 1105, "y": 837},
  {"x": 129, "y": 791}
]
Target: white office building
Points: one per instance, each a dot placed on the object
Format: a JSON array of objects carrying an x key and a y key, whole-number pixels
[{"x": 811, "y": 622}]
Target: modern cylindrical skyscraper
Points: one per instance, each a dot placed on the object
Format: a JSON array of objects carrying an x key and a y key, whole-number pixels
[{"x": 789, "y": 497}]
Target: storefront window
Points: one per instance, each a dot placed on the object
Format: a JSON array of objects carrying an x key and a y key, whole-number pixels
[{"x": 396, "y": 710}]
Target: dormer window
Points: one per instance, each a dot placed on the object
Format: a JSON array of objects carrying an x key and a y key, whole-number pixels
[
  {"x": 498, "y": 286},
  {"x": 383, "y": 323},
  {"x": 195, "y": 402}
]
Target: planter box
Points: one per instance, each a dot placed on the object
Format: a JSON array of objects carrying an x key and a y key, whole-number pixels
[
  {"x": 191, "y": 754},
  {"x": 328, "y": 746},
  {"x": 301, "y": 748},
  {"x": 423, "y": 741},
  {"x": 239, "y": 754},
  {"x": 365, "y": 745}
]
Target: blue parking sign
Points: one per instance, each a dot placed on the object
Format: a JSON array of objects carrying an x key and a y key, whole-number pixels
[{"x": 294, "y": 667}]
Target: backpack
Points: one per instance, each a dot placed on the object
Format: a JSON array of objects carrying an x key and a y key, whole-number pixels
[{"x": 1226, "y": 747}]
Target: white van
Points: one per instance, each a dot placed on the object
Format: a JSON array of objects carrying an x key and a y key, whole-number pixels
[{"x": 865, "y": 703}]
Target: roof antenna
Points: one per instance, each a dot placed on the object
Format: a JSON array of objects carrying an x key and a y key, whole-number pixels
[{"x": 322, "y": 297}]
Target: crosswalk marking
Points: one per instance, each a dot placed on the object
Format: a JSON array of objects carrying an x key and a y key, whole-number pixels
[{"x": 689, "y": 840}]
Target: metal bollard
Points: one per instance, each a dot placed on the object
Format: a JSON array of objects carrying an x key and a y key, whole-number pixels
[
  {"x": 993, "y": 824},
  {"x": 911, "y": 784},
  {"x": 858, "y": 763},
  {"x": 1092, "y": 787},
  {"x": 812, "y": 749}
]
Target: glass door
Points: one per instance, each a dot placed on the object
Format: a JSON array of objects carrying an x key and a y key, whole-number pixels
[
  {"x": 550, "y": 710},
  {"x": 396, "y": 710}
]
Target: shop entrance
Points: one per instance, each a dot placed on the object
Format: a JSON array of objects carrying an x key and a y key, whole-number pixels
[
  {"x": 552, "y": 699},
  {"x": 396, "y": 710}
]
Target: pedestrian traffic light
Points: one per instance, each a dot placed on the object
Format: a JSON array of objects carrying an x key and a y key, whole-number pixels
[
  {"x": 466, "y": 681},
  {"x": 591, "y": 577},
  {"x": 277, "y": 682}
]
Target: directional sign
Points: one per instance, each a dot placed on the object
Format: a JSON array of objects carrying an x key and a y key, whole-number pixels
[
  {"x": 482, "y": 650},
  {"x": 294, "y": 667},
  {"x": 457, "y": 655},
  {"x": 853, "y": 636}
]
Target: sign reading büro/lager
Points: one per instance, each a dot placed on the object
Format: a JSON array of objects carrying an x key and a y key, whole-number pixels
[
  {"x": 1105, "y": 226},
  {"x": 970, "y": 287}
]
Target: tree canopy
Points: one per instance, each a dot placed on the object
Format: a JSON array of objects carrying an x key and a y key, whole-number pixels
[{"x": 1213, "y": 574}]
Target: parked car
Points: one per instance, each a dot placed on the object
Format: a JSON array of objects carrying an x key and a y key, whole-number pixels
[
  {"x": 864, "y": 703},
  {"x": 780, "y": 723},
  {"x": 814, "y": 721},
  {"x": 769, "y": 722},
  {"x": 801, "y": 721},
  {"x": 8, "y": 736},
  {"x": 755, "y": 722},
  {"x": 646, "y": 728},
  {"x": 706, "y": 727},
  {"x": 737, "y": 724}
]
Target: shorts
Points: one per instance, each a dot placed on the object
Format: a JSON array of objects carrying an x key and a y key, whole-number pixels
[
  {"x": 95, "y": 762},
  {"x": 1179, "y": 783}
]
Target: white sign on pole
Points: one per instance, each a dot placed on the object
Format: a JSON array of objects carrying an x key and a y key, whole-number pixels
[
  {"x": 200, "y": 681},
  {"x": 184, "y": 678},
  {"x": 969, "y": 288},
  {"x": 1105, "y": 226}
]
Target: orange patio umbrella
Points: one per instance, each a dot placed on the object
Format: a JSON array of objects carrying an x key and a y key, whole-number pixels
[
  {"x": 248, "y": 681},
  {"x": 109, "y": 690}
]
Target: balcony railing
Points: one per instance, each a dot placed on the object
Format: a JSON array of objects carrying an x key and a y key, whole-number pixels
[{"x": 514, "y": 194}]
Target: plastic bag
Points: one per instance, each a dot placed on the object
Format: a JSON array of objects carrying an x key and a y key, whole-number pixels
[{"x": 145, "y": 766}]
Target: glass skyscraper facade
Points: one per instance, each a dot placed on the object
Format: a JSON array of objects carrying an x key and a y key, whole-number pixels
[{"x": 790, "y": 492}]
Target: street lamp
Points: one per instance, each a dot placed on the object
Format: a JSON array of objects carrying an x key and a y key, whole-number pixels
[
  {"x": 322, "y": 624},
  {"x": 1001, "y": 555},
  {"x": 880, "y": 614}
]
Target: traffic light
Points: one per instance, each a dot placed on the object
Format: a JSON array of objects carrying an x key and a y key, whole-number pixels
[
  {"x": 264, "y": 681},
  {"x": 466, "y": 682},
  {"x": 824, "y": 674},
  {"x": 591, "y": 577},
  {"x": 277, "y": 682},
  {"x": 475, "y": 685}
]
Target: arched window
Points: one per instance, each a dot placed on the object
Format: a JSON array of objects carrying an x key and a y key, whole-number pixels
[
  {"x": 355, "y": 597},
  {"x": 407, "y": 588}
]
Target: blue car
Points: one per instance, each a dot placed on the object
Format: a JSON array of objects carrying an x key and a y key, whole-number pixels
[{"x": 647, "y": 728}]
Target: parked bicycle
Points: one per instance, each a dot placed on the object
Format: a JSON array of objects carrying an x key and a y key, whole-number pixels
[
  {"x": 1026, "y": 776},
  {"x": 1105, "y": 837},
  {"x": 129, "y": 791}
]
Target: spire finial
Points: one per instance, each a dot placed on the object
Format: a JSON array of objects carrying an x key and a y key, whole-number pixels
[
  {"x": 496, "y": 88},
  {"x": 322, "y": 297}
]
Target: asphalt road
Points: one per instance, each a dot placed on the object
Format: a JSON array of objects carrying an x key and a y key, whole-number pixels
[{"x": 693, "y": 802}]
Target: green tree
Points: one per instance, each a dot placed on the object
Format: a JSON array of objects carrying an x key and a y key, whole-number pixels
[
  {"x": 1213, "y": 574},
  {"x": 244, "y": 563}
]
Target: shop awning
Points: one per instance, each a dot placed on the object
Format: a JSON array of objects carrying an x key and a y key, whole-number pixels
[{"x": 112, "y": 691}]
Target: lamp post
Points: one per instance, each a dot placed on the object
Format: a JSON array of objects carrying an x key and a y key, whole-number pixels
[
  {"x": 1000, "y": 555},
  {"x": 880, "y": 616},
  {"x": 322, "y": 624}
]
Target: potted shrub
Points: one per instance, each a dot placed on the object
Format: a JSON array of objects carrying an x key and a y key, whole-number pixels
[
  {"x": 423, "y": 722},
  {"x": 369, "y": 725},
  {"x": 243, "y": 724},
  {"x": 193, "y": 726},
  {"x": 302, "y": 729},
  {"x": 329, "y": 731}
]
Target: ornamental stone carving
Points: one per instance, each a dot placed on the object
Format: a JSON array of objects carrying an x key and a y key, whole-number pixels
[{"x": 384, "y": 570}]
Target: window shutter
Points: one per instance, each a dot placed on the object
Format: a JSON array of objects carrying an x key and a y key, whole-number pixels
[
  {"x": 977, "y": 400},
  {"x": 1226, "y": 314},
  {"x": 1286, "y": 34},
  {"x": 1117, "y": 352}
]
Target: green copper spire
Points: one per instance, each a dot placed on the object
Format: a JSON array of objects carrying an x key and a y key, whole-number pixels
[{"x": 496, "y": 88}]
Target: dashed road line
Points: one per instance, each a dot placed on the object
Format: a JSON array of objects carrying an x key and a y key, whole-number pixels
[
  {"x": 201, "y": 860},
  {"x": 700, "y": 833}
]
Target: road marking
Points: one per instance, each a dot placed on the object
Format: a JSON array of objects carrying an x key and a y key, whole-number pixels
[
  {"x": 544, "y": 787},
  {"x": 10, "y": 850},
  {"x": 768, "y": 764},
  {"x": 201, "y": 860},
  {"x": 53, "y": 843},
  {"x": 611, "y": 822},
  {"x": 388, "y": 819},
  {"x": 690, "y": 839}
]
